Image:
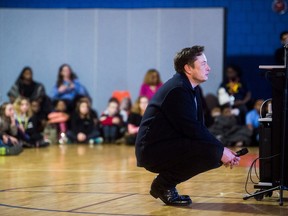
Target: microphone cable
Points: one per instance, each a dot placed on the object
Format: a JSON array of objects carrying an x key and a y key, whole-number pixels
[{"x": 253, "y": 165}]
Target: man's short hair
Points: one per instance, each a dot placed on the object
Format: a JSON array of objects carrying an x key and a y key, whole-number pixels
[
  {"x": 282, "y": 34},
  {"x": 187, "y": 56}
]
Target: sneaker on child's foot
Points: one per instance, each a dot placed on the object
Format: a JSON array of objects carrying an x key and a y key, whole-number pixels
[
  {"x": 11, "y": 150},
  {"x": 2, "y": 150},
  {"x": 98, "y": 140},
  {"x": 42, "y": 143},
  {"x": 63, "y": 138}
]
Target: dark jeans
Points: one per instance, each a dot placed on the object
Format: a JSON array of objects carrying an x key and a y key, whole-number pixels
[
  {"x": 30, "y": 139},
  {"x": 110, "y": 133}
]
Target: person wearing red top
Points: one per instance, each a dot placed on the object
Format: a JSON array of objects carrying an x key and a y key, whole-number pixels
[{"x": 111, "y": 121}]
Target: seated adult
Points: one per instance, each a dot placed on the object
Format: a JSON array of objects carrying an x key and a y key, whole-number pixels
[
  {"x": 280, "y": 52},
  {"x": 26, "y": 87},
  {"x": 68, "y": 87},
  {"x": 236, "y": 87},
  {"x": 151, "y": 83}
]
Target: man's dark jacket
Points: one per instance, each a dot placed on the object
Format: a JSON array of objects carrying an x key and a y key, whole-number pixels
[{"x": 172, "y": 129}]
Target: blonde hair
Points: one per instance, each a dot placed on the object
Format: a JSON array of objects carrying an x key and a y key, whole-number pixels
[
  {"x": 136, "y": 106},
  {"x": 17, "y": 104}
]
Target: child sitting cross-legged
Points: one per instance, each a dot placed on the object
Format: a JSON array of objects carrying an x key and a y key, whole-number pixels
[
  {"x": 84, "y": 128},
  {"x": 135, "y": 118},
  {"x": 58, "y": 118},
  {"x": 111, "y": 121},
  {"x": 27, "y": 130}
]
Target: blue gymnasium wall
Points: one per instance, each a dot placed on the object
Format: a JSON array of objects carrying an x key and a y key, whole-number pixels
[
  {"x": 252, "y": 28},
  {"x": 109, "y": 49}
]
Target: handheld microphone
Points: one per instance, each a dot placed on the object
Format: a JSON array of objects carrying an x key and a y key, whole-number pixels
[{"x": 242, "y": 152}]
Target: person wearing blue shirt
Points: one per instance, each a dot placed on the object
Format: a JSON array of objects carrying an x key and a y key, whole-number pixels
[
  {"x": 252, "y": 119},
  {"x": 68, "y": 87}
]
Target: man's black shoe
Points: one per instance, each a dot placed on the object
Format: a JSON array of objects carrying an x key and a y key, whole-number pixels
[{"x": 169, "y": 196}]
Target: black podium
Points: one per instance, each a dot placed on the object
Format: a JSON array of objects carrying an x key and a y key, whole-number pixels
[
  {"x": 273, "y": 146},
  {"x": 266, "y": 176}
]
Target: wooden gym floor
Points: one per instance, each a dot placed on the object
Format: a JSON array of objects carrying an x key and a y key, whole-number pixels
[{"x": 104, "y": 180}]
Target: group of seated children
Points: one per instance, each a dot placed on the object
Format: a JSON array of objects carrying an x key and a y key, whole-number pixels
[
  {"x": 235, "y": 115},
  {"x": 69, "y": 113},
  {"x": 84, "y": 125},
  {"x": 22, "y": 125},
  {"x": 228, "y": 127},
  {"x": 25, "y": 120}
]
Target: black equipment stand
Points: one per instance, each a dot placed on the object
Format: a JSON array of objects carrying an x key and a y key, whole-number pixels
[{"x": 280, "y": 181}]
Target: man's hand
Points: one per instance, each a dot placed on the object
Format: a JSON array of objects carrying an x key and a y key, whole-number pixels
[{"x": 229, "y": 158}]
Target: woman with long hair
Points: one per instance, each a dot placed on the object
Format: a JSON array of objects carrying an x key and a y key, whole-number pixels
[
  {"x": 151, "y": 83},
  {"x": 68, "y": 87}
]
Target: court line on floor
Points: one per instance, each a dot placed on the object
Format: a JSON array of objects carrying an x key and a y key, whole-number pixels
[
  {"x": 70, "y": 170},
  {"x": 72, "y": 184},
  {"x": 98, "y": 183},
  {"x": 93, "y": 170},
  {"x": 99, "y": 203},
  {"x": 72, "y": 212}
]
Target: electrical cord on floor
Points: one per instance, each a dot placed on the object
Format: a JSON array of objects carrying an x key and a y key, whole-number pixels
[{"x": 253, "y": 165}]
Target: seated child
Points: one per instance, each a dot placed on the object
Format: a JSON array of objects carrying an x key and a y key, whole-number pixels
[
  {"x": 82, "y": 122},
  {"x": 93, "y": 112},
  {"x": 135, "y": 118},
  {"x": 111, "y": 121},
  {"x": 27, "y": 130},
  {"x": 125, "y": 108},
  {"x": 9, "y": 144},
  {"x": 252, "y": 120},
  {"x": 38, "y": 117},
  {"x": 227, "y": 129},
  {"x": 59, "y": 118}
]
